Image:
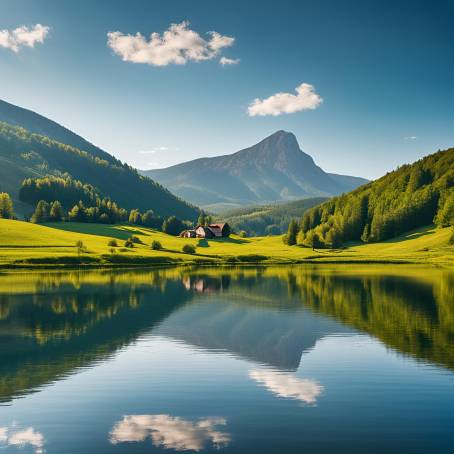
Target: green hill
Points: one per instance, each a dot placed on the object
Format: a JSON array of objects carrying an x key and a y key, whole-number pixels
[
  {"x": 268, "y": 219},
  {"x": 27, "y": 155},
  {"x": 27, "y": 244},
  {"x": 410, "y": 197}
]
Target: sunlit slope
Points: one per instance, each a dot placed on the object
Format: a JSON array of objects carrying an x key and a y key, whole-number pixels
[{"x": 25, "y": 243}]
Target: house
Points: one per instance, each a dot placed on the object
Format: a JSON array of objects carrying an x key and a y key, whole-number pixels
[
  {"x": 188, "y": 234},
  {"x": 221, "y": 230}
]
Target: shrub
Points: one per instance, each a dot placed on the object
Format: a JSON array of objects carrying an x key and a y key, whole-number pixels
[
  {"x": 129, "y": 244},
  {"x": 243, "y": 234},
  {"x": 156, "y": 245},
  {"x": 188, "y": 249},
  {"x": 112, "y": 243},
  {"x": 135, "y": 239},
  {"x": 80, "y": 247}
]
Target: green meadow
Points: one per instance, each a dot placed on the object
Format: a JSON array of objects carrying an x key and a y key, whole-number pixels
[{"x": 24, "y": 244}]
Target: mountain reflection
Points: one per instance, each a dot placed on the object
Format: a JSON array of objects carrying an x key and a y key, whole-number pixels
[
  {"x": 171, "y": 432},
  {"x": 52, "y": 324}
]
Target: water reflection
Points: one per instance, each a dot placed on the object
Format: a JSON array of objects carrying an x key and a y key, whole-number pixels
[
  {"x": 287, "y": 385},
  {"x": 171, "y": 432},
  {"x": 52, "y": 324},
  {"x": 21, "y": 438}
]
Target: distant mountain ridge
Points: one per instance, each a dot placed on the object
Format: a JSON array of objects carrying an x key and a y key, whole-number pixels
[
  {"x": 273, "y": 170},
  {"x": 32, "y": 146}
]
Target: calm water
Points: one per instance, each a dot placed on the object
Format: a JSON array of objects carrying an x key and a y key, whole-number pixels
[{"x": 276, "y": 360}]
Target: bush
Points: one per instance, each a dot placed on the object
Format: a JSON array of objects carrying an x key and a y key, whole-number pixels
[
  {"x": 156, "y": 245},
  {"x": 80, "y": 247},
  {"x": 135, "y": 239},
  {"x": 129, "y": 244},
  {"x": 188, "y": 249},
  {"x": 112, "y": 243},
  {"x": 243, "y": 234}
]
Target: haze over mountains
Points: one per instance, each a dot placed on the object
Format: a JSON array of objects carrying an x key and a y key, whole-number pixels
[{"x": 275, "y": 169}]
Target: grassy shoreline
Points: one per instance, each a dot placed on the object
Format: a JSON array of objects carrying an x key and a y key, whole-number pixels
[{"x": 24, "y": 245}]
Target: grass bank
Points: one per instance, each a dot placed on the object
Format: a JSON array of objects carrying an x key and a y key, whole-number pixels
[{"x": 23, "y": 244}]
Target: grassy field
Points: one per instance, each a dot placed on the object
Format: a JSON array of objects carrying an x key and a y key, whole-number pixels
[{"x": 26, "y": 244}]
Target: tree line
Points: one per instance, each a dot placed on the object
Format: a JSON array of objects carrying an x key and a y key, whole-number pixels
[
  {"x": 410, "y": 197},
  {"x": 118, "y": 180},
  {"x": 105, "y": 211}
]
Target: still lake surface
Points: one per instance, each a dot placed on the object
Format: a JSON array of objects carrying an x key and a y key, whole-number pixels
[{"x": 251, "y": 360}]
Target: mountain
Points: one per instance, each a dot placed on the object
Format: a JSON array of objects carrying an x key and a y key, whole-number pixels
[
  {"x": 25, "y": 154},
  {"x": 37, "y": 124},
  {"x": 268, "y": 219},
  {"x": 273, "y": 170},
  {"x": 413, "y": 196}
]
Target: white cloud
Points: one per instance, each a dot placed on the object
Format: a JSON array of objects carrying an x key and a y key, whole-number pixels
[
  {"x": 410, "y": 138},
  {"x": 228, "y": 61},
  {"x": 23, "y": 36},
  {"x": 284, "y": 384},
  {"x": 177, "y": 45},
  {"x": 286, "y": 103},
  {"x": 170, "y": 432},
  {"x": 156, "y": 150},
  {"x": 22, "y": 438}
]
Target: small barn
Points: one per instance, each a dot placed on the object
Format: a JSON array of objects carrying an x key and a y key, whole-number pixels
[
  {"x": 220, "y": 230},
  {"x": 204, "y": 232},
  {"x": 188, "y": 234}
]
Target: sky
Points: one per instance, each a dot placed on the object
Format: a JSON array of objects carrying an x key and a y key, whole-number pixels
[{"x": 364, "y": 85}]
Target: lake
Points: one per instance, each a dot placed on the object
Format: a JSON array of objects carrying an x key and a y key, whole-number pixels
[{"x": 241, "y": 360}]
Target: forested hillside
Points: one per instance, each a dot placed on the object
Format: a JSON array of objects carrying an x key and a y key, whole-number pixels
[
  {"x": 268, "y": 219},
  {"x": 37, "y": 124},
  {"x": 26, "y": 155},
  {"x": 412, "y": 196}
]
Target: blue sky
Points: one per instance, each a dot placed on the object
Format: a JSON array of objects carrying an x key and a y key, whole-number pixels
[{"x": 382, "y": 72}]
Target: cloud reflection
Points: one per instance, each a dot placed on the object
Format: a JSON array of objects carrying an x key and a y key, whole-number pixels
[
  {"x": 170, "y": 432},
  {"x": 22, "y": 438},
  {"x": 284, "y": 384}
]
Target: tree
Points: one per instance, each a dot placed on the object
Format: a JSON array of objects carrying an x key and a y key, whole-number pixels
[
  {"x": 129, "y": 243},
  {"x": 292, "y": 232},
  {"x": 42, "y": 213},
  {"x": 135, "y": 217},
  {"x": 201, "y": 219},
  {"x": 333, "y": 238},
  {"x": 156, "y": 245},
  {"x": 366, "y": 234},
  {"x": 80, "y": 247},
  {"x": 6, "y": 206},
  {"x": 56, "y": 212},
  {"x": 445, "y": 214},
  {"x": 78, "y": 213},
  {"x": 172, "y": 226},
  {"x": 149, "y": 219},
  {"x": 188, "y": 249},
  {"x": 312, "y": 239}
]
